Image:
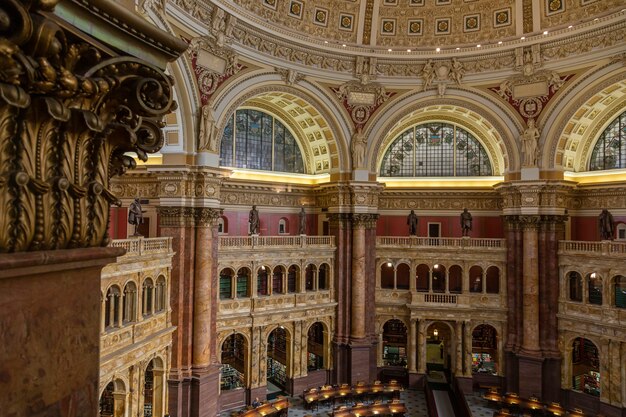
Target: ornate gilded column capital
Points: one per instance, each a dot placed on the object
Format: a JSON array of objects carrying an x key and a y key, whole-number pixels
[
  {"x": 70, "y": 111},
  {"x": 530, "y": 222},
  {"x": 207, "y": 216},
  {"x": 364, "y": 221},
  {"x": 176, "y": 216}
]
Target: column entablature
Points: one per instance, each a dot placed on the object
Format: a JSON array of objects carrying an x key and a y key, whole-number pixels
[
  {"x": 344, "y": 197},
  {"x": 535, "y": 197}
]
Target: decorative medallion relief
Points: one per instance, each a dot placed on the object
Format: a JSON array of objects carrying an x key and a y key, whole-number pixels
[
  {"x": 529, "y": 92},
  {"x": 362, "y": 98},
  {"x": 69, "y": 115}
]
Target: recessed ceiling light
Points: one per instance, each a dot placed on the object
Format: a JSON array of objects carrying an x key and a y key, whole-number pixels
[
  {"x": 438, "y": 49},
  {"x": 458, "y": 49},
  {"x": 389, "y": 50},
  {"x": 596, "y": 19},
  {"x": 499, "y": 42},
  {"x": 408, "y": 50},
  {"x": 545, "y": 32},
  {"x": 478, "y": 46},
  {"x": 344, "y": 45},
  {"x": 570, "y": 26},
  {"x": 325, "y": 41},
  {"x": 523, "y": 37}
]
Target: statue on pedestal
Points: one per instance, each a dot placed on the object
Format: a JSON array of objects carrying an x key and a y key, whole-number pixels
[
  {"x": 135, "y": 215},
  {"x": 302, "y": 221},
  {"x": 412, "y": 220},
  {"x": 358, "y": 148},
  {"x": 529, "y": 144},
  {"x": 605, "y": 224},
  {"x": 253, "y": 219},
  {"x": 466, "y": 222}
]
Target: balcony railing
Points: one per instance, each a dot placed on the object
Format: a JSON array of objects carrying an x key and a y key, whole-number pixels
[
  {"x": 601, "y": 248},
  {"x": 441, "y": 242},
  {"x": 232, "y": 242},
  {"x": 143, "y": 246}
]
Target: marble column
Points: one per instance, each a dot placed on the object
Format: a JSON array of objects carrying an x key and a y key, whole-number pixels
[
  {"x": 467, "y": 346},
  {"x": 412, "y": 347},
  {"x": 458, "y": 359},
  {"x": 605, "y": 370},
  {"x": 530, "y": 284},
  {"x": 357, "y": 328},
  {"x": 615, "y": 365},
  {"x": 566, "y": 367},
  {"x": 421, "y": 347},
  {"x": 204, "y": 304}
]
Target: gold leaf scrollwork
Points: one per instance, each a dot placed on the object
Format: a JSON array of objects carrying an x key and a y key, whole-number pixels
[{"x": 68, "y": 115}]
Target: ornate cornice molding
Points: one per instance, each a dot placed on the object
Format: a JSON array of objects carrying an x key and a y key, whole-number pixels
[{"x": 70, "y": 112}]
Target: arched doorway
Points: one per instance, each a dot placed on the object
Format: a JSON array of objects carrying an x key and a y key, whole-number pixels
[
  {"x": 395, "y": 343},
  {"x": 316, "y": 347},
  {"x": 154, "y": 387},
  {"x": 277, "y": 361},
  {"x": 234, "y": 353},
  {"x": 485, "y": 350},
  {"x": 438, "y": 344},
  {"x": 585, "y": 366},
  {"x": 107, "y": 401}
]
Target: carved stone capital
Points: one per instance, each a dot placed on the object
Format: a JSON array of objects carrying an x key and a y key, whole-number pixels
[
  {"x": 364, "y": 221},
  {"x": 529, "y": 222},
  {"x": 176, "y": 216},
  {"x": 207, "y": 216}
]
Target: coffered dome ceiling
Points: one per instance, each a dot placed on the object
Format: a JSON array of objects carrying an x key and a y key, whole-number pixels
[{"x": 416, "y": 24}]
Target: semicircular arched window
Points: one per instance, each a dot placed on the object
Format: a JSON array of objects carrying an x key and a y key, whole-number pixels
[
  {"x": 609, "y": 151},
  {"x": 435, "y": 150},
  {"x": 253, "y": 139}
]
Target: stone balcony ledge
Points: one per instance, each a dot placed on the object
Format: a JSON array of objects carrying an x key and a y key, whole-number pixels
[
  {"x": 604, "y": 247},
  {"x": 439, "y": 242},
  {"x": 143, "y": 246},
  {"x": 259, "y": 242}
]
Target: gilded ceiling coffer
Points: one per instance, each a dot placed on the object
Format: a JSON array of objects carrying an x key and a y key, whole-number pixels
[{"x": 70, "y": 108}]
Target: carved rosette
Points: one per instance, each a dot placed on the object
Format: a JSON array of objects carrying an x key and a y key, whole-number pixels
[{"x": 68, "y": 116}]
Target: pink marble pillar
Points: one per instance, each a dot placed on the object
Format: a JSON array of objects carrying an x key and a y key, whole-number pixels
[
  {"x": 530, "y": 310},
  {"x": 357, "y": 328}
]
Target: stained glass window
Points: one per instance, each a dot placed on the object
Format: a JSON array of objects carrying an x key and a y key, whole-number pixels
[
  {"x": 435, "y": 150},
  {"x": 610, "y": 149},
  {"x": 253, "y": 139}
]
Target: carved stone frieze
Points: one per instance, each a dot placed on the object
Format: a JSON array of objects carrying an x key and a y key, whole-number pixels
[
  {"x": 541, "y": 195},
  {"x": 585, "y": 198},
  {"x": 439, "y": 200},
  {"x": 346, "y": 194},
  {"x": 70, "y": 113}
]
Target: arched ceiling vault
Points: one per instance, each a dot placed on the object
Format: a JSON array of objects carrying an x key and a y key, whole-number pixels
[{"x": 587, "y": 124}]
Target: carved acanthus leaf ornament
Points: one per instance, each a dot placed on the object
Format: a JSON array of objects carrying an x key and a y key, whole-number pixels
[{"x": 68, "y": 115}]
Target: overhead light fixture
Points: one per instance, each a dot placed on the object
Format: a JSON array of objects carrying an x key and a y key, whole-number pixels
[
  {"x": 344, "y": 45},
  {"x": 439, "y": 49},
  {"x": 458, "y": 49},
  {"x": 436, "y": 333},
  {"x": 436, "y": 266},
  {"x": 325, "y": 41},
  {"x": 545, "y": 32},
  {"x": 499, "y": 42},
  {"x": 408, "y": 50},
  {"x": 478, "y": 46},
  {"x": 570, "y": 26},
  {"x": 523, "y": 37},
  {"x": 389, "y": 50},
  {"x": 389, "y": 264}
]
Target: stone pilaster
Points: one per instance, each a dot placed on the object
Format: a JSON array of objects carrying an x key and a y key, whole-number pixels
[{"x": 530, "y": 279}]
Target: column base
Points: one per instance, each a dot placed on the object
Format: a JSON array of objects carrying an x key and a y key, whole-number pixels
[
  {"x": 178, "y": 391},
  {"x": 530, "y": 373},
  {"x": 360, "y": 362},
  {"x": 205, "y": 392},
  {"x": 50, "y": 319}
]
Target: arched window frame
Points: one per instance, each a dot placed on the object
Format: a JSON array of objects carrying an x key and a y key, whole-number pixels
[
  {"x": 129, "y": 311},
  {"x": 147, "y": 297},
  {"x": 609, "y": 151},
  {"x": 462, "y": 143},
  {"x": 247, "y": 149}
]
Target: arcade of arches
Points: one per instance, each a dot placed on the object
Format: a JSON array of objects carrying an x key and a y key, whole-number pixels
[{"x": 353, "y": 138}]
